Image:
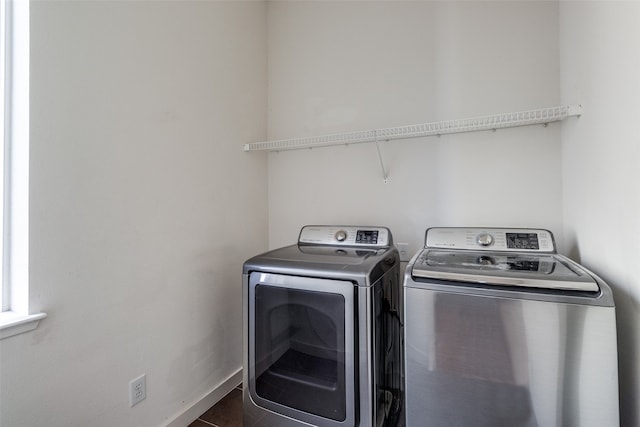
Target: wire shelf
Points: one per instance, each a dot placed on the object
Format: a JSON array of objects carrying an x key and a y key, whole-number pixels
[{"x": 493, "y": 122}]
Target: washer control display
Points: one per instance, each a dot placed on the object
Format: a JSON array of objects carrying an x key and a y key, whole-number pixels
[
  {"x": 491, "y": 239},
  {"x": 522, "y": 241}
]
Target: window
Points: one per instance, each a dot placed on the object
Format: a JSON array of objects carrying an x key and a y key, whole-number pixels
[
  {"x": 16, "y": 316},
  {"x": 4, "y": 25}
]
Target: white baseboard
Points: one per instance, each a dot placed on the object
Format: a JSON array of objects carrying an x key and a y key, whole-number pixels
[{"x": 190, "y": 414}]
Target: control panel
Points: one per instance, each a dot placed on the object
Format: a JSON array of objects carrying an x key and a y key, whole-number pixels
[
  {"x": 378, "y": 237},
  {"x": 491, "y": 239}
]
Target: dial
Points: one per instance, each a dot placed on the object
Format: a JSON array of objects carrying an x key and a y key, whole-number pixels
[
  {"x": 485, "y": 239},
  {"x": 341, "y": 235}
]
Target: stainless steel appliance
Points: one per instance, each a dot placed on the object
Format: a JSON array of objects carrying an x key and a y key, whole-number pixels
[
  {"x": 501, "y": 330},
  {"x": 323, "y": 331}
]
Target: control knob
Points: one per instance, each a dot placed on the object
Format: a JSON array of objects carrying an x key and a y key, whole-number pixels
[
  {"x": 341, "y": 236},
  {"x": 485, "y": 239}
]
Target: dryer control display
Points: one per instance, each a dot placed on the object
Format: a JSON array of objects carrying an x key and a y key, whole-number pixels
[
  {"x": 345, "y": 235},
  {"x": 368, "y": 237},
  {"x": 522, "y": 241}
]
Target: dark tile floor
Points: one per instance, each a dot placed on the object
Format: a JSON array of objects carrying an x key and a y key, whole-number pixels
[{"x": 226, "y": 413}]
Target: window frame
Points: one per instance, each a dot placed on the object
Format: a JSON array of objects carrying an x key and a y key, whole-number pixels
[{"x": 16, "y": 316}]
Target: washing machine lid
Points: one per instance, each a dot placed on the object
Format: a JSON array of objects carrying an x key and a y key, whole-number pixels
[{"x": 531, "y": 270}]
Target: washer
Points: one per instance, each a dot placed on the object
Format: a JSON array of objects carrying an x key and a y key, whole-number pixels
[
  {"x": 501, "y": 330},
  {"x": 323, "y": 331}
]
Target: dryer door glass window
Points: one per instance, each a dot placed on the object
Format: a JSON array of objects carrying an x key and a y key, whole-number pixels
[
  {"x": 300, "y": 343},
  {"x": 301, "y": 348}
]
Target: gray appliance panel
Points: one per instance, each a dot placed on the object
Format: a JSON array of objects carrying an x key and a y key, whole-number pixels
[
  {"x": 491, "y": 361},
  {"x": 531, "y": 240},
  {"x": 369, "y": 269},
  {"x": 548, "y": 271},
  {"x": 363, "y": 266},
  {"x": 346, "y": 235}
]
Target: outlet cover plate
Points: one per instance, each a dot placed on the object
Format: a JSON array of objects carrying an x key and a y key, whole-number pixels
[{"x": 137, "y": 390}]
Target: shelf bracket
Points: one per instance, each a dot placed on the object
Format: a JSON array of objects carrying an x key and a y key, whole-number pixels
[{"x": 385, "y": 175}]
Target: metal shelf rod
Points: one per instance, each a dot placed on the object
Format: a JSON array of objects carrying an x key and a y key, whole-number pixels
[{"x": 492, "y": 122}]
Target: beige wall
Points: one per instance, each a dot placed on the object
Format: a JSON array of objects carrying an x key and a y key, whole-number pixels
[
  {"x": 345, "y": 66},
  {"x": 143, "y": 207},
  {"x": 600, "y": 62}
]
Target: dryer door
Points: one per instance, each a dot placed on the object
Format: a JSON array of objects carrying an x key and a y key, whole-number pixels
[{"x": 301, "y": 347}]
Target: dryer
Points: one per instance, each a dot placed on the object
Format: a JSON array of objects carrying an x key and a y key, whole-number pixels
[
  {"x": 501, "y": 330},
  {"x": 323, "y": 331}
]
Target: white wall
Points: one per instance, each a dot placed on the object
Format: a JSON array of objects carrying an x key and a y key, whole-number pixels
[
  {"x": 600, "y": 63},
  {"x": 143, "y": 207},
  {"x": 344, "y": 66}
]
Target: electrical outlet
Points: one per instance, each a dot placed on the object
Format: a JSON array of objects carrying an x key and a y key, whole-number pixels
[
  {"x": 137, "y": 390},
  {"x": 403, "y": 248}
]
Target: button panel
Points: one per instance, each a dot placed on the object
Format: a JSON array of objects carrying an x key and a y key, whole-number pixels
[
  {"x": 491, "y": 239},
  {"x": 379, "y": 237}
]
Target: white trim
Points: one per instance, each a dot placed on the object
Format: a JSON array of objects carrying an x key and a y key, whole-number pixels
[
  {"x": 19, "y": 317},
  {"x": 212, "y": 397},
  {"x": 18, "y": 235},
  {"x": 12, "y": 323},
  {"x": 5, "y": 28}
]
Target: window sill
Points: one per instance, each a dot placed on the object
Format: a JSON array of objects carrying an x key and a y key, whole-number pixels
[{"x": 12, "y": 323}]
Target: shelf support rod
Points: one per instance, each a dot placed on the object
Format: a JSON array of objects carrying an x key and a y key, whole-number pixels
[{"x": 385, "y": 175}]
